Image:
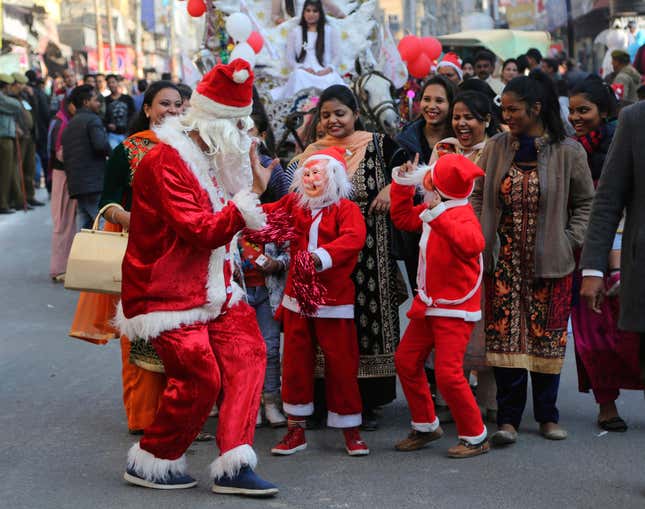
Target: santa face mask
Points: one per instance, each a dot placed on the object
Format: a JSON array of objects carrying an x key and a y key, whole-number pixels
[{"x": 315, "y": 178}]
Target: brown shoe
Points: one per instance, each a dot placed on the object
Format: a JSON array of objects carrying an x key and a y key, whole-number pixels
[
  {"x": 467, "y": 450},
  {"x": 418, "y": 439}
]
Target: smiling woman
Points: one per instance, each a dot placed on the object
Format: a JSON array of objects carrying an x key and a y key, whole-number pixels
[{"x": 534, "y": 212}]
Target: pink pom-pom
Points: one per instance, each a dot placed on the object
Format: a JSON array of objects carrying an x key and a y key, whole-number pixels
[
  {"x": 307, "y": 289},
  {"x": 279, "y": 229}
]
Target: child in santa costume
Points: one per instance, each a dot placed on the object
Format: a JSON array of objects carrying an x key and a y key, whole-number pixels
[
  {"x": 447, "y": 303},
  {"x": 178, "y": 291},
  {"x": 330, "y": 233}
]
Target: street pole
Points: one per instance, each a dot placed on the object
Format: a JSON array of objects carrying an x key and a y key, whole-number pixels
[
  {"x": 137, "y": 39},
  {"x": 99, "y": 37},
  {"x": 173, "y": 41},
  {"x": 570, "y": 30},
  {"x": 113, "y": 61}
]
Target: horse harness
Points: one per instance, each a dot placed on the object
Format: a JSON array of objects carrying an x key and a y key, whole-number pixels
[{"x": 373, "y": 114}]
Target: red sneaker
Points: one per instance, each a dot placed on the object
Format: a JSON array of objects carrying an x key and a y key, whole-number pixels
[
  {"x": 292, "y": 442},
  {"x": 354, "y": 444}
]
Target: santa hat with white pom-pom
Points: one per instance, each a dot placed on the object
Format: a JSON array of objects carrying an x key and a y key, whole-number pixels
[{"x": 226, "y": 91}]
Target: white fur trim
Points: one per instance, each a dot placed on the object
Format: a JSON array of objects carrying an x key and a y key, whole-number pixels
[
  {"x": 466, "y": 316},
  {"x": 410, "y": 179},
  {"x": 335, "y": 420},
  {"x": 430, "y": 214},
  {"x": 150, "y": 325},
  {"x": 298, "y": 410},
  {"x": 426, "y": 427},
  {"x": 325, "y": 258},
  {"x": 241, "y": 76},
  {"x": 248, "y": 204},
  {"x": 230, "y": 463},
  {"x": 218, "y": 110},
  {"x": 475, "y": 440},
  {"x": 445, "y": 63},
  {"x": 152, "y": 468},
  {"x": 340, "y": 311}
]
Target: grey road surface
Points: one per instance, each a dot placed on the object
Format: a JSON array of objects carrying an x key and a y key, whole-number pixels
[{"x": 63, "y": 436}]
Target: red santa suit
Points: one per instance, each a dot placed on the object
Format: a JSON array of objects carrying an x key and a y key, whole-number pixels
[
  {"x": 335, "y": 232},
  {"x": 447, "y": 303},
  {"x": 178, "y": 293}
]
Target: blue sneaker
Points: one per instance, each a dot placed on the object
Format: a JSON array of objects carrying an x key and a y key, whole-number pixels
[
  {"x": 246, "y": 482},
  {"x": 172, "y": 482}
]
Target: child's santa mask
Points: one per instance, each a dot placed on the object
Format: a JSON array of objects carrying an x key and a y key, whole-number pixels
[
  {"x": 322, "y": 179},
  {"x": 315, "y": 178}
]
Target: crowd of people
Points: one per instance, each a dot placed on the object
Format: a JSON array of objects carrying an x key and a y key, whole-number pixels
[{"x": 506, "y": 201}]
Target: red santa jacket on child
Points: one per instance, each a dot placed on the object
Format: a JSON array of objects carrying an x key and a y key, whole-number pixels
[
  {"x": 177, "y": 267},
  {"x": 336, "y": 233},
  {"x": 450, "y": 267}
]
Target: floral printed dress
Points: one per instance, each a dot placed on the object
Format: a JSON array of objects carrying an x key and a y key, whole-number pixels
[{"x": 526, "y": 317}]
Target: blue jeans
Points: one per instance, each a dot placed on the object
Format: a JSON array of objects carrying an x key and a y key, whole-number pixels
[
  {"x": 87, "y": 209},
  {"x": 511, "y": 395},
  {"x": 258, "y": 297}
]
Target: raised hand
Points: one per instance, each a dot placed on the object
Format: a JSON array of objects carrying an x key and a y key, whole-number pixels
[{"x": 261, "y": 175}]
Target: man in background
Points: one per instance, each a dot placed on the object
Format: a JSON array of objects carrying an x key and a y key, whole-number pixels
[
  {"x": 85, "y": 147},
  {"x": 119, "y": 109}
]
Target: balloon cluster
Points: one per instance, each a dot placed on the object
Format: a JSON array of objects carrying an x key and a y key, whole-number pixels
[
  {"x": 419, "y": 53},
  {"x": 249, "y": 42}
]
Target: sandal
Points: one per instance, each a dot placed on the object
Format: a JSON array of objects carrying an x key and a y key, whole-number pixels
[{"x": 613, "y": 424}]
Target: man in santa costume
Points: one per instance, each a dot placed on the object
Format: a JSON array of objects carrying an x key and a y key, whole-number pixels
[
  {"x": 318, "y": 303},
  {"x": 178, "y": 290},
  {"x": 447, "y": 303}
]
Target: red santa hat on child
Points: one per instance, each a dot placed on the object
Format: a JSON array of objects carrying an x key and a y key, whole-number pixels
[
  {"x": 337, "y": 171},
  {"x": 452, "y": 60},
  {"x": 226, "y": 91},
  {"x": 453, "y": 176}
]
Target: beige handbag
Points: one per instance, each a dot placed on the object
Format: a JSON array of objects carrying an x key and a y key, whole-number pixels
[{"x": 94, "y": 262}]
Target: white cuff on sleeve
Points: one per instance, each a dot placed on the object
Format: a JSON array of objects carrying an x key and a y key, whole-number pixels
[
  {"x": 592, "y": 273},
  {"x": 429, "y": 214},
  {"x": 248, "y": 203},
  {"x": 325, "y": 258}
]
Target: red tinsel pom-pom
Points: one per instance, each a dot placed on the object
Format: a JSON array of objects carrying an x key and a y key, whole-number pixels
[
  {"x": 307, "y": 289},
  {"x": 279, "y": 229}
]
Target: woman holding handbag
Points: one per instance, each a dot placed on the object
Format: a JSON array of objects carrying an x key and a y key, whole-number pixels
[{"x": 141, "y": 388}]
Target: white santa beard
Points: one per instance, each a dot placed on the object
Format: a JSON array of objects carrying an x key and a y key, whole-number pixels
[{"x": 228, "y": 145}]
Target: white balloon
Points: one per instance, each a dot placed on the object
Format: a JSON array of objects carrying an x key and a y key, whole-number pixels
[
  {"x": 244, "y": 51},
  {"x": 239, "y": 26}
]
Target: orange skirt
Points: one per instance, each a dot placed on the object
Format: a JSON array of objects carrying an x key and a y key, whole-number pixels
[
  {"x": 141, "y": 390},
  {"x": 94, "y": 312}
]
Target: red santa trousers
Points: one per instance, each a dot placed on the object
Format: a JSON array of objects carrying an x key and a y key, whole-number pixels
[
  {"x": 338, "y": 341},
  {"x": 449, "y": 338},
  {"x": 222, "y": 360}
]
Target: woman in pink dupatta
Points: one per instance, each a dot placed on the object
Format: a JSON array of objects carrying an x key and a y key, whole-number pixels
[{"x": 63, "y": 210}]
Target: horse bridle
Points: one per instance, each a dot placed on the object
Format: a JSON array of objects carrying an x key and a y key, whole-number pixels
[{"x": 359, "y": 91}]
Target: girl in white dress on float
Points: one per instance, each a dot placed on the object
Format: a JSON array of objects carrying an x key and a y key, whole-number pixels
[{"x": 312, "y": 53}]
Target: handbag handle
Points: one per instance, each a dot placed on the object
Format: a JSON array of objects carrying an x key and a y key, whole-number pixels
[{"x": 95, "y": 225}]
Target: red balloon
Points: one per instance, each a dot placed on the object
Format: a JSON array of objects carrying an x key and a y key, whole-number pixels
[
  {"x": 196, "y": 8},
  {"x": 256, "y": 41},
  {"x": 420, "y": 67},
  {"x": 431, "y": 47},
  {"x": 410, "y": 48}
]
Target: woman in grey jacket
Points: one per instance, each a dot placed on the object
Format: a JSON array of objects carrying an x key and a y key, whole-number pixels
[{"x": 534, "y": 204}]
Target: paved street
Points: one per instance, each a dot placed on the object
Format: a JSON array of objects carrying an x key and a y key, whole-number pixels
[{"x": 64, "y": 437}]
